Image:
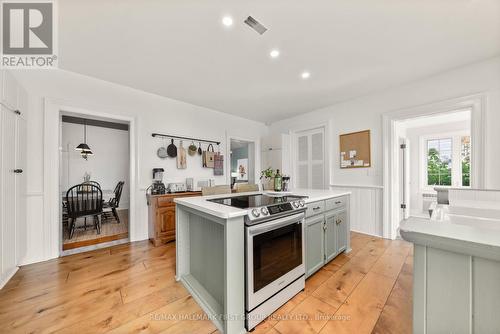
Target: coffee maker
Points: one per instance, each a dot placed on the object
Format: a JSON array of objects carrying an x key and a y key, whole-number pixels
[{"x": 158, "y": 188}]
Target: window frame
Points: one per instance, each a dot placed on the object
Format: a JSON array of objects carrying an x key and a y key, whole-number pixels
[{"x": 456, "y": 159}]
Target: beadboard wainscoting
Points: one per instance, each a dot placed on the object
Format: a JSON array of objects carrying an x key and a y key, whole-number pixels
[{"x": 366, "y": 208}]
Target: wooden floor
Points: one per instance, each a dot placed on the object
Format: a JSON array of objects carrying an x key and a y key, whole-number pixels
[
  {"x": 131, "y": 288},
  {"x": 110, "y": 230}
]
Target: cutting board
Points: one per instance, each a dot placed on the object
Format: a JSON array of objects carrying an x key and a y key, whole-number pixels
[{"x": 181, "y": 157}]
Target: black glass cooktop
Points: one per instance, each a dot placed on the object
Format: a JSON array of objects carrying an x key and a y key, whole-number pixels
[{"x": 254, "y": 201}]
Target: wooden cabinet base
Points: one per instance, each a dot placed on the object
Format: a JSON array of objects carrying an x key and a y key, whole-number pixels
[{"x": 161, "y": 216}]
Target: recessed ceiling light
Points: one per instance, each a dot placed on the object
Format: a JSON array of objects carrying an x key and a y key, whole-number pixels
[
  {"x": 275, "y": 53},
  {"x": 227, "y": 21},
  {"x": 305, "y": 75}
]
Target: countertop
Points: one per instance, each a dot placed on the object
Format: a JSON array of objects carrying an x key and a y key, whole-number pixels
[
  {"x": 227, "y": 212},
  {"x": 461, "y": 234}
]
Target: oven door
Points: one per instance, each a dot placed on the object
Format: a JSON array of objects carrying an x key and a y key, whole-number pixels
[{"x": 274, "y": 257}]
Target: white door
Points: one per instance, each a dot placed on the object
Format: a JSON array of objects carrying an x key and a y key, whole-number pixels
[
  {"x": 8, "y": 201},
  {"x": 310, "y": 159}
]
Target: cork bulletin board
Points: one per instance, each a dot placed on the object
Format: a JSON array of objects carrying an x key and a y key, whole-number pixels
[{"x": 355, "y": 150}]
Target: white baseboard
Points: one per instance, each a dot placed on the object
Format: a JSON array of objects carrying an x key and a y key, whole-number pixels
[
  {"x": 366, "y": 233},
  {"x": 8, "y": 277}
]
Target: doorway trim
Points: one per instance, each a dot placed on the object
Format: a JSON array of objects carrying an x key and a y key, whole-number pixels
[
  {"x": 257, "y": 156},
  {"x": 52, "y": 121},
  {"x": 476, "y": 103}
]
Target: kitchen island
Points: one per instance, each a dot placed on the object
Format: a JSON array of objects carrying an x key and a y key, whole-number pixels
[
  {"x": 456, "y": 270},
  {"x": 210, "y": 257}
]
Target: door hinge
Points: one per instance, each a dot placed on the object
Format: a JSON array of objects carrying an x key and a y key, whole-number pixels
[
  {"x": 402, "y": 146},
  {"x": 403, "y": 206},
  {"x": 324, "y": 257}
]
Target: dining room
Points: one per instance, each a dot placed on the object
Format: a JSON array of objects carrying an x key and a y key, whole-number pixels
[{"x": 94, "y": 182}]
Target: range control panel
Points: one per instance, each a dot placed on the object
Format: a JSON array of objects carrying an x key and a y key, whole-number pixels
[{"x": 276, "y": 209}]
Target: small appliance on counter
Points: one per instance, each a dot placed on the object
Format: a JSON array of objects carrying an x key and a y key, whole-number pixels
[
  {"x": 195, "y": 184},
  {"x": 158, "y": 188},
  {"x": 177, "y": 187},
  {"x": 285, "y": 186}
]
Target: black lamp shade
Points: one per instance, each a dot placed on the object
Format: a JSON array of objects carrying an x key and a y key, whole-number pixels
[
  {"x": 82, "y": 147},
  {"x": 87, "y": 152}
]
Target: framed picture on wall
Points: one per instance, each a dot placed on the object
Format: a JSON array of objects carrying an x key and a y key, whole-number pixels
[
  {"x": 355, "y": 150},
  {"x": 242, "y": 170}
]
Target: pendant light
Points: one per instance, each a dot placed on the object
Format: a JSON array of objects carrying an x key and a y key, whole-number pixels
[{"x": 83, "y": 147}]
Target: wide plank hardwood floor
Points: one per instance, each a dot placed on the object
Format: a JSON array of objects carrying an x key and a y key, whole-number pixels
[{"x": 131, "y": 289}]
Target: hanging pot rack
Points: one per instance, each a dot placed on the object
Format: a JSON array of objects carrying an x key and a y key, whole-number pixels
[{"x": 160, "y": 135}]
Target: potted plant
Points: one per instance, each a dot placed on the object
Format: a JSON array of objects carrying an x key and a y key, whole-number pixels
[{"x": 267, "y": 179}]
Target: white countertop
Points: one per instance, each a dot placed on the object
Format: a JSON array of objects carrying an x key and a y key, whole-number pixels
[
  {"x": 473, "y": 235},
  {"x": 227, "y": 212}
]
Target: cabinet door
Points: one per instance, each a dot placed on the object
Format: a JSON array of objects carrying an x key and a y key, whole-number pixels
[
  {"x": 315, "y": 254},
  {"x": 330, "y": 237},
  {"x": 342, "y": 233},
  {"x": 8, "y": 190},
  {"x": 165, "y": 221},
  {"x": 21, "y": 189}
]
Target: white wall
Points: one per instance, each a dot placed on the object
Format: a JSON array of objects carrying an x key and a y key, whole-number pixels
[
  {"x": 152, "y": 113},
  {"x": 108, "y": 165},
  {"x": 414, "y": 136},
  {"x": 365, "y": 113}
]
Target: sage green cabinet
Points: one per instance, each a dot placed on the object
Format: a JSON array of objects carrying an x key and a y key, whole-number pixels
[
  {"x": 330, "y": 236},
  {"x": 341, "y": 231},
  {"x": 326, "y": 235},
  {"x": 314, "y": 243}
]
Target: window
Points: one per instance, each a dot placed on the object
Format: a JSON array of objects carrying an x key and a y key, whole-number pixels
[
  {"x": 446, "y": 160},
  {"x": 439, "y": 162}
]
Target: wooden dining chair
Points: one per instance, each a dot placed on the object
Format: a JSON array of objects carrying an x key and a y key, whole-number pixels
[
  {"x": 114, "y": 203},
  {"x": 84, "y": 200},
  {"x": 245, "y": 187},
  {"x": 216, "y": 190}
]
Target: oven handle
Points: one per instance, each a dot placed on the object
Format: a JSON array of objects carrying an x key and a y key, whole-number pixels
[{"x": 272, "y": 225}]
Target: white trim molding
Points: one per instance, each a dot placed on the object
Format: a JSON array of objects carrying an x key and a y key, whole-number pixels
[
  {"x": 476, "y": 103},
  {"x": 365, "y": 186}
]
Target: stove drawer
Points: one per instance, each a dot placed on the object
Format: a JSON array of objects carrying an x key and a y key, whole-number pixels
[{"x": 315, "y": 208}]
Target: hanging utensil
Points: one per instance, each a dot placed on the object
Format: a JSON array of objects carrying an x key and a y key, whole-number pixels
[
  {"x": 181, "y": 157},
  {"x": 192, "y": 149},
  {"x": 162, "y": 152},
  {"x": 172, "y": 150},
  {"x": 200, "y": 151}
]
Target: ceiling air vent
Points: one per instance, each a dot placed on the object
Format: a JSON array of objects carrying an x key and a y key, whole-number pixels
[{"x": 255, "y": 25}]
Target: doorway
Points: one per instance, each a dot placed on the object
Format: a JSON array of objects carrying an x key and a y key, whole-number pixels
[
  {"x": 435, "y": 145},
  {"x": 242, "y": 162},
  {"x": 94, "y": 182},
  {"x": 435, "y": 151}
]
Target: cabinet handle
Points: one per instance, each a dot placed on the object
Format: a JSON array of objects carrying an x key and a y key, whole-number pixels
[
  {"x": 338, "y": 202},
  {"x": 18, "y": 171},
  {"x": 317, "y": 208},
  {"x": 338, "y": 221}
]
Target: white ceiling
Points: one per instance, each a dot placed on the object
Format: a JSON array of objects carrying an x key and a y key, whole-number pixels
[{"x": 180, "y": 49}]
